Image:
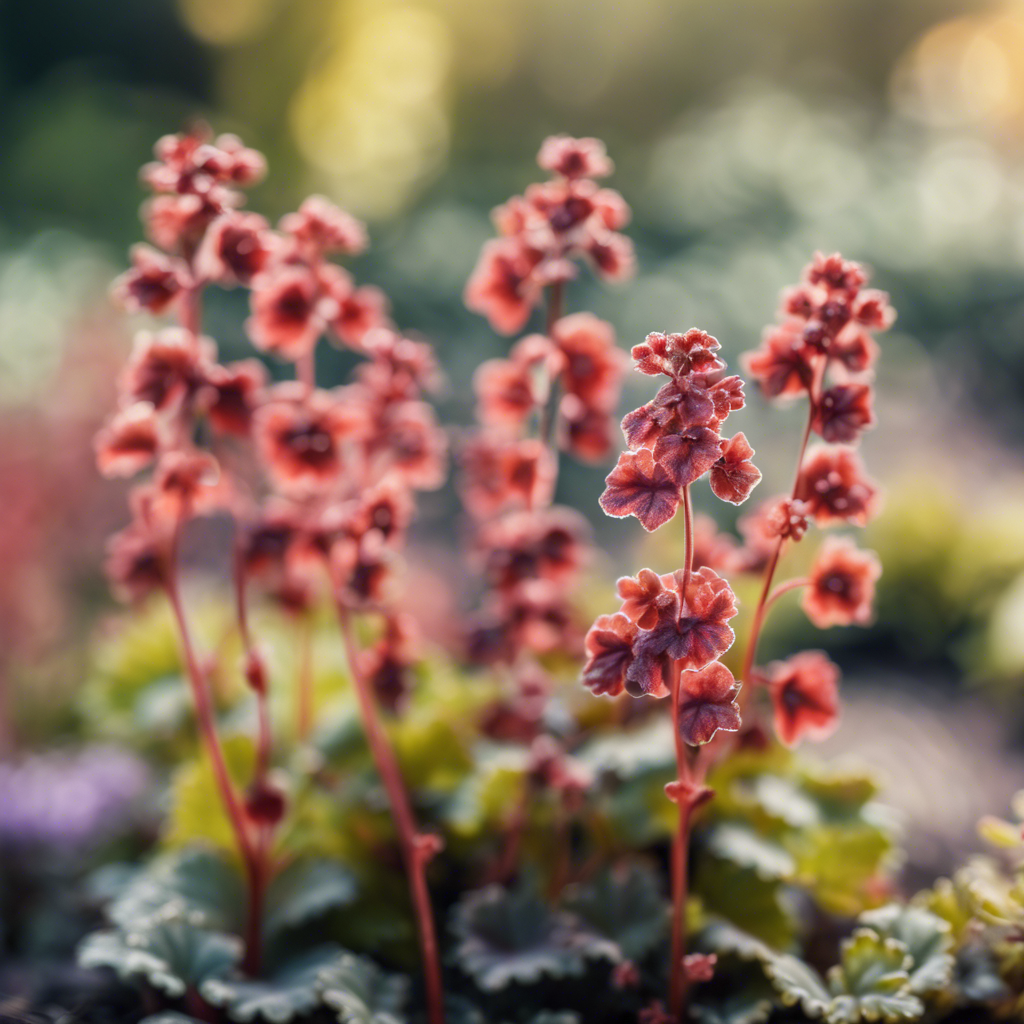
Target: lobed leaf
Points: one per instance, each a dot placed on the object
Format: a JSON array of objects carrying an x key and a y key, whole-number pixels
[
  {"x": 359, "y": 992},
  {"x": 306, "y": 890}
]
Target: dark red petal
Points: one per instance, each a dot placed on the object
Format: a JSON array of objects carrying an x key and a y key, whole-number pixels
[{"x": 687, "y": 457}]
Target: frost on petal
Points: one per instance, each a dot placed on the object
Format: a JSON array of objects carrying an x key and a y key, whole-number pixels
[
  {"x": 609, "y": 647},
  {"x": 781, "y": 366},
  {"x": 638, "y": 486},
  {"x": 707, "y": 703},
  {"x": 835, "y": 488},
  {"x": 734, "y": 476},
  {"x": 687, "y": 457},
  {"x": 645, "y": 597},
  {"x": 844, "y": 412}
]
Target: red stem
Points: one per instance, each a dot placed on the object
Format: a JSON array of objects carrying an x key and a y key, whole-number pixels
[
  {"x": 764, "y": 601},
  {"x": 681, "y": 839},
  {"x": 405, "y": 822}
]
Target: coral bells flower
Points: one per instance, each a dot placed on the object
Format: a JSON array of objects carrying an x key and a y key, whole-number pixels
[
  {"x": 593, "y": 366},
  {"x": 129, "y": 442},
  {"x": 574, "y": 158},
  {"x": 153, "y": 283},
  {"x": 500, "y": 474},
  {"x": 835, "y": 488},
  {"x": 805, "y": 694},
  {"x": 586, "y": 433},
  {"x": 166, "y": 368},
  {"x": 678, "y": 355},
  {"x": 782, "y": 365},
  {"x": 692, "y": 630},
  {"x": 359, "y": 311},
  {"x": 639, "y": 486},
  {"x": 236, "y": 247},
  {"x": 546, "y": 544},
  {"x": 734, "y": 476},
  {"x": 320, "y": 227},
  {"x": 645, "y": 596},
  {"x": 707, "y": 704},
  {"x": 187, "y": 483},
  {"x": 686, "y": 457},
  {"x": 508, "y": 392},
  {"x": 412, "y": 445},
  {"x": 609, "y": 646},
  {"x": 137, "y": 563},
  {"x": 841, "y": 585},
  {"x": 287, "y": 316},
  {"x": 232, "y": 394},
  {"x": 502, "y": 286},
  {"x": 300, "y": 438},
  {"x": 843, "y": 412}
]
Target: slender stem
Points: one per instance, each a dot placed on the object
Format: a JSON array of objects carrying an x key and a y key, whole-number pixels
[
  {"x": 405, "y": 822},
  {"x": 681, "y": 839},
  {"x": 254, "y": 670},
  {"x": 764, "y": 602},
  {"x": 785, "y": 588}
]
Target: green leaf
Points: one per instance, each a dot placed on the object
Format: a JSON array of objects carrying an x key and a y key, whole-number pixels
[
  {"x": 760, "y": 907},
  {"x": 290, "y": 992},
  {"x": 745, "y": 848},
  {"x": 798, "y": 984},
  {"x": 195, "y": 884},
  {"x": 722, "y": 937},
  {"x": 625, "y": 905},
  {"x": 197, "y": 813},
  {"x": 505, "y": 937},
  {"x": 628, "y": 754},
  {"x": 361, "y": 993},
  {"x": 872, "y": 981},
  {"x": 782, "y": 799},
  {"x": 976, "y": 975},
  {"x": 171, "y": 955},
  {"x": 306, "y": 890},
  {"x": 927, "y": 937}
]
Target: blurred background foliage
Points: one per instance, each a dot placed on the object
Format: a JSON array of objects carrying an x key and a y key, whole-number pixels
[{"x": 746, "y": 134}]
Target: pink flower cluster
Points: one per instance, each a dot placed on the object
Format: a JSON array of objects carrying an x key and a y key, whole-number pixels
[
  {"x": 556, "y": 390},
  {"x": 675, "y": 623},
  {"x": 543, "y": 232}
]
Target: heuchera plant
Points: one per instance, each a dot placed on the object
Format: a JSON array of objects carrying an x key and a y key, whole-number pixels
[
  {"x": 671, "y": 629},
  {"x": 311, "y": 690},
  {"x": 318, "y": 483}
]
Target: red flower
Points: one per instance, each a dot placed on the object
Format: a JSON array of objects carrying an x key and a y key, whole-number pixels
[
  {"x": 300, "y": 437},
  {"x": 507, "y": 392},
  {"x": 585, "y": 432},
  {"x": 688, "y": 456},
  {"x": 841, "y": 585},
  {"x": 781, "y": 366},
  {"x": 645, "y": 596},
  {"x": 502, "y": 286},
  {"x": 843, "y": 412},
  {"x": 153, "y": 283},
  {"x": 411, "y": 444},
  {"x": 539, "y": 618},
  {"x": 805, "y": 693},
  {"x": 835, "y": 488},
  {"x": 386, "y": 507},
  {"x": 546, "y": 544},
  {"x": 593, "y": 365},
  {"x": 612, "y": 255},
  {"x": 855, "y": 349},
  {"x": 707, "y": 703},
  {"x": 693, "y": 631},
  {"x": 676, "y": 407},
  {"x": 236, "y": 247},
  {"x": 678, "y": 355},
  {"x": 360, "y": 311},
  {"x": 609, "y": 646},
  {"x": 136, "y": 562},
  {"x": 187, "y": 483},
  {"x": 499, "y": 474},
  {"x": 361, "y": 569},
  {"x": 399, "y": 368},
  {"x": 286, "y": 317},
  {"x": 835, "y": 273},
  {"x": 166, "y": 368},
  {"x": 321, "y": 227},
  {"x": 639, "y": 486},
  {"x": 233, "y": 393},
  {"x": 872, "y": 309},
  {"x": 734, "y": 476},
  {"x": 574, "y": 158},
  {"x": 129, "y": 442}
]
